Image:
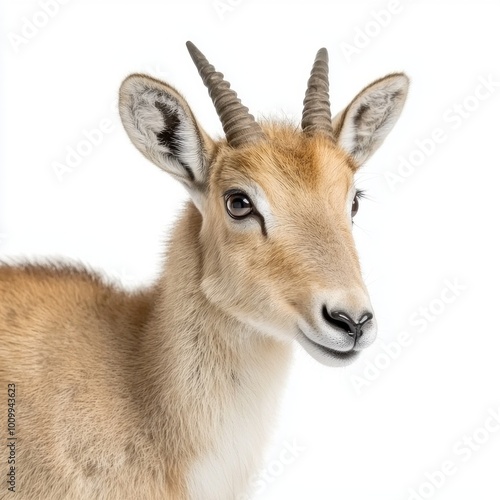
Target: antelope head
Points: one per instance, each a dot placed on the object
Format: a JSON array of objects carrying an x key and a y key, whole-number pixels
[{"x": 276, "y": 202}]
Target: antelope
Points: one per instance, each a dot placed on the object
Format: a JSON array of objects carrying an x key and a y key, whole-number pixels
[{"x": 169, "y": 391}]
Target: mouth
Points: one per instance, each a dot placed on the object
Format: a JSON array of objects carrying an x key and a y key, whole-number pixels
[{"x": 326, "y": 355}]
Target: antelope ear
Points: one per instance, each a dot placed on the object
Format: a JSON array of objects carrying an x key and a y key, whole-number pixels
[
  {"x": 362, "y": 127},
  {"x": 162, "y": 127}
]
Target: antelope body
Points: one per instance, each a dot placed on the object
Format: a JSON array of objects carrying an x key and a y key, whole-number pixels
[{"x": 169, "y": 392}]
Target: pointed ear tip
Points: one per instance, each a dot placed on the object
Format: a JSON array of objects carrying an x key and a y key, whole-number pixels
[
  {"x": 139, "y": 81},
  {"x": 397, "y": 81},
  {"x": 129, "y": 86},
  {"x": 133, "y": 78},
  {"x": 402, "y": 77}
]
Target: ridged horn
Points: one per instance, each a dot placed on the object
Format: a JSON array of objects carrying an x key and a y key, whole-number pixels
[
  {"x": 239, "y": 125},
  {"x": 317, "y": 115}
]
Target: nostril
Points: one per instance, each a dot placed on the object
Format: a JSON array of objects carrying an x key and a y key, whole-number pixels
[
  {"x": 343, "y": 321},
  {"x": 340, "y": 320},
  {"x": 365, "y": 318}
]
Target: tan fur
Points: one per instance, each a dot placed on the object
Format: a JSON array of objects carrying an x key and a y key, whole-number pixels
[
  {"x": 118, "y": 385},
  {"x": 147, "y": 395},
  {"x": 110, "y": 404}
]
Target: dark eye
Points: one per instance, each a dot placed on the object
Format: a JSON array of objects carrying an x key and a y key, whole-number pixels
[
  {"x": 355, "y": 206},
  {"x": 355, "y": 203},
  {"x": 238, "y": 205}
]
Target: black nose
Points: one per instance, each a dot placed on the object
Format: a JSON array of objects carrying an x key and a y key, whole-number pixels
[{"x": 344, "y": 322}]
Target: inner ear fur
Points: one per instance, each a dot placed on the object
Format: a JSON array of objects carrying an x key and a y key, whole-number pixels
[
  {"x": 363, "y": 125},
  {"x": 162, "y": 127}
]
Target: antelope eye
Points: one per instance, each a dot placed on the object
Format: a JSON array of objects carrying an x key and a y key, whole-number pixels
[
  {"x": 238, "y": 205},
  {"x": 355, "y": 205}
]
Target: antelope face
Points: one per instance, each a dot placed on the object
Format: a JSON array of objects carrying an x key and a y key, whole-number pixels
[
  {"x": 279, "y": 252},
  {"x": 277, "y": 203}
]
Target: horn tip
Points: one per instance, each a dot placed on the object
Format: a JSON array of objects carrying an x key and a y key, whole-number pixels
[
  {"x": 192, "y": 48},
  {"x": 322, "y": 54}
]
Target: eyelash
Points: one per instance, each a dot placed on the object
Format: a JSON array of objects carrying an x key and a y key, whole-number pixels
[{"x": 360, "y": 193}]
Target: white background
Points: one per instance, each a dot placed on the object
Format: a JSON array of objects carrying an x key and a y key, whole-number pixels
[{"x": 371, "y": 431}]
